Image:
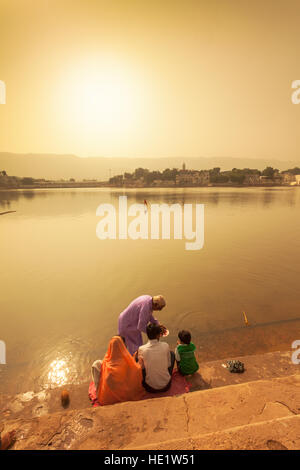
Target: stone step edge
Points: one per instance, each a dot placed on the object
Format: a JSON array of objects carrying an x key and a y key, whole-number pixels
[
  {"x": 178, "y": 444},
  {"x": 155, "y": 400}
]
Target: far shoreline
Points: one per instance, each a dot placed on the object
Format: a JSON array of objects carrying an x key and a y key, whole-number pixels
[{"x": 108, "y": 186}]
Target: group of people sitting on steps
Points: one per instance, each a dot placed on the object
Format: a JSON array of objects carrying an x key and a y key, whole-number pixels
[{"x": 129, "y": 367}]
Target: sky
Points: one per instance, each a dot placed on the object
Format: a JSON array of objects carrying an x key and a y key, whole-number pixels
[{"x": 148, "y": 78}]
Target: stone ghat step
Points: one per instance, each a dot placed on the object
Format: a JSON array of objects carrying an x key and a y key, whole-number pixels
[
  {"x": 275, "y": 434},
  {"x": 211, "y": 374},
  {"x": 135, "y": 424}
]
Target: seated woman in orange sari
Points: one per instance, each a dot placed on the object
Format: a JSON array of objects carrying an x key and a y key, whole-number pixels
[{"x": 118, "y": 377}]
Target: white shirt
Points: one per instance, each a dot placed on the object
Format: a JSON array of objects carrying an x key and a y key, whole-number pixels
[
  {"x": 96, "y": 372},
  {"x": 155, "y": 358}
]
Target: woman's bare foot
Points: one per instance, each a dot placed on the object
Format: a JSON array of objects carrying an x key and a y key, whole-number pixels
[{"x": 7, "y": 440}]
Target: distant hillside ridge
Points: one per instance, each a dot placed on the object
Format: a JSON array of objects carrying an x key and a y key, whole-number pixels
[{"x": 52, "y": 166}]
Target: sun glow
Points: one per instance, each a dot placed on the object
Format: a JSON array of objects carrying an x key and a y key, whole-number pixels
[{"x": 101, "y": 100}]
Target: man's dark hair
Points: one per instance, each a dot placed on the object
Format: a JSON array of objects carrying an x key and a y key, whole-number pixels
[
  {"x": 153, "y": 330},
  {"x": 184, "y": 336}
]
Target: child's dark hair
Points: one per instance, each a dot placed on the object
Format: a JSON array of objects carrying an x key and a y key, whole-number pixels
[
  {"x": 153, "y": 330},
  {"x": 184, "y": 336}
]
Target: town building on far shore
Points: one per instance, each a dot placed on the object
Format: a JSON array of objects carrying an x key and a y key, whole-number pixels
[{"x": 287, "y": 177}]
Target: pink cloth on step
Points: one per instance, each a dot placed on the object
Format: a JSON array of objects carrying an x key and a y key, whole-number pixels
[{"x": 179, "y": 385}]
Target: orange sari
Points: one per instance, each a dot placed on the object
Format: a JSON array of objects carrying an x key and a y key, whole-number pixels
[{"x": 121, "y": 377}]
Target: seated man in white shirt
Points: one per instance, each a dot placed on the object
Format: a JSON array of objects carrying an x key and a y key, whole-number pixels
[{"x": 156, "y": 360}]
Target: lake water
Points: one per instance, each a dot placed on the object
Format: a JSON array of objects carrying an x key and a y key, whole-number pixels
[{"x": 62, "y": 289}]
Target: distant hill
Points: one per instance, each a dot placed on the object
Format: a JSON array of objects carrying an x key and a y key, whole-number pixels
[{"x": 70, "y": 166}]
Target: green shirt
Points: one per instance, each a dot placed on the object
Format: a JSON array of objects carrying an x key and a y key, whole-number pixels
[{"x": 186, "y": 353}]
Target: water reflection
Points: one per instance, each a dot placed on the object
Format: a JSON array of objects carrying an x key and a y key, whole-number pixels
[
  {"x": 86, "y": 200},
  {"x": 62, "y": 289},
  {"x": 58, "y": 373}
]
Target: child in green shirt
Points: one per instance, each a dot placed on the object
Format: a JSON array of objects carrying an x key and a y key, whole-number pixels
[{"x": 185, "y": 354}]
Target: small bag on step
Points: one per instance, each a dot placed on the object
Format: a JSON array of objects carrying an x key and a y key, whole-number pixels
[{"x": 235, "y": 366}]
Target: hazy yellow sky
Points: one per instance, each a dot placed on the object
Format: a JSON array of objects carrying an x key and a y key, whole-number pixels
[{"x": 150, "y": 78}]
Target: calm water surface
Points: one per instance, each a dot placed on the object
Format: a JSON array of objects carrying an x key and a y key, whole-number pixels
[{"x": 62, "y": 289}]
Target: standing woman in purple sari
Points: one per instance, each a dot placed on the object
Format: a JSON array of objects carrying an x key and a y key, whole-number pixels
[{"x": 133, "y": 320}]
